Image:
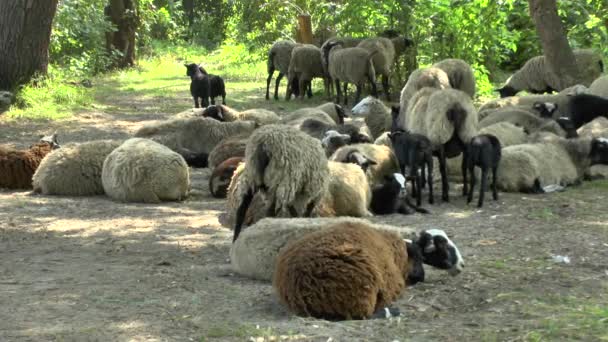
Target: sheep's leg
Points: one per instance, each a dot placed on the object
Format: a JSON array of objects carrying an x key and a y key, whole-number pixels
[
  {"x": 374, "y": 89},
  {"x": 196, "y": 105},
  {"x": 445, "y": 188},
  {"x": 419, "y": 186},
  {"x": 289, "y": 89},
  {"x": 213, "y": 100},
  {"x": 463, "y": 167},
  {"x": 309, "y": 208},
  {"x": 429, "y": 162},
  {"x": 276, "y": 87},
  {"x": 224, "y": 98},
  {"x": 241, "y": 211},
  {"x": 422, "y": 172},
  {"x": 270, "y": 72},
  {"x": 494, "y": 191},
  {"x": 471, "y": 169},
  {"x": 302, "y": 87},
  {"x": 385, "y": 86},
  {"x": 338, "y": 91},
  {"x": 309, "y": 87},
  {"x": 483, "y": 187},
  {"x": 346, "y": 93}
]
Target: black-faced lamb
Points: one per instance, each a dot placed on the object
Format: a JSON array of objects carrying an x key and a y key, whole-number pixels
[
  {"x": 415, "y": 154},
  {"x": 17, "y": 167},
  {"x": 141, "y": 170},
  {"x": 288, "y": 166},
  {"x": 304, "y": 65},
  {"x": 221, "y": 176},
  {"x": 226, "y": 114},
  {"x": 584, "y": 108},
  {"x": 279, "y": 56},
  {"x": 391, "y": 197},
  {"x": 369, "y": 270},
  {"x": 74, "y": 169},
  {"x": 484, "y": 151},
  {"x": 536, "y": 77},
  {"x": 349, "y": 65}
]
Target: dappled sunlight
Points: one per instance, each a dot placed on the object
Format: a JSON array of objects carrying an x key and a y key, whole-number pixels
[{"x": 459, "y": 215}]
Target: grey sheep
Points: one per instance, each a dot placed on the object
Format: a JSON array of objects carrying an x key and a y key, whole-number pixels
[
  {"x": 421, "y": 78},
  {"x": 305, "y": 64},
  {"x": 74, "y": 169},
  {"x": 279, "y": 56},
  {"x": 224, "y": 113},
  {"x": 349, "y": 65},
  {"x": 530, "y": 167},
  {"x": 599, "y": 87},
  {"x": 318, "y": 129},
  {"x": 228, "y": 148},
  {"x": 523, "y": 118},
  {"x": 376, "y": 114},
  {"x": 383, "y": 161},
  {"x": 194, "y": 137},
  {"x": 383, "y": 58},
  {"x": 286, "y": 165},
  {"x": 460, "y": 74},
  {"x": 334, "y": 112},
  {"x": 141, "y": 170},
  {"x": 536, "y": 77}
]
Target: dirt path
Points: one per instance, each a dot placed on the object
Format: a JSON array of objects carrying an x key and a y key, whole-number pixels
[{"x": 89, "y": 269}]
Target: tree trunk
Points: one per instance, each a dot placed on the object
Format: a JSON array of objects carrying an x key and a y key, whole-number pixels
[
  {"x": 123, "y": 14},
  {"x": 558, "y": 54},
  {"x": 305, "y": 28},
  {"x": 25, "y": 34}
]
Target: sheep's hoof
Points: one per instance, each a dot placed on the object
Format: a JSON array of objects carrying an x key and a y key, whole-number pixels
[
  {"x": 479, "y": 205},
  {"x": 445, "y": 198}
]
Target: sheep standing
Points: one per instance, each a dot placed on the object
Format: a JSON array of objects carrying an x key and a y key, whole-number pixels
[
  {"x": 288, "y": 166},
  {"x": 460, "y": 74},
  {"x": 304, "y": 65},
  {"x": 536, "y": 77},
  {"x": 199, "y": 85},
  {"x": 349, "y": 65},
  {"x": 141, "y": 170},
  {"x": 74, "y": 169},
  {"x": 369, "y": 269},
  {"x": 19, "y": 166},
  {"x": 377, "y": 115},
  {"x": 383, "y": 58},
  {"x": 421, "y": 78},
  {"x": 226, "y": 114},
  {"x": 484, "y": 152},
  {"x": 278, "y": 59}
]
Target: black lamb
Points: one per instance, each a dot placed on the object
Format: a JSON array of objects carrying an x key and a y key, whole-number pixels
[
  {"x": 388, "y": 197},
  {"x": 204, "y": 85},
  {"x": 583, "y": 108},
  {"x": 484, "y": 151}
]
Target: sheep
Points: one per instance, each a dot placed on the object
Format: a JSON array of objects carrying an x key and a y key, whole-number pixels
[
  {"x": 384, "y": 139},
  {"x": 318, "y": 129},
  {"x": 18, "y": 166},
  {"x": 221, "y": 176},
  {"x": 523, "y": 118},
  {"x": 537, "y": 78},
  {"x": 377, "y": 160},
  {"x": 74, "y": 169},
  {"x": 226, "y": 114},
  {"x": 599, "y": 87},
  {"x": 388, "y": 197},
  {"x": 597, "y": 128},
  {"x": 414, "y": 151},
  {"x": 482, "y": 151},
  {"x": 279, "y": 56},
  {"x": 304, "y": 65},
  {"x": 217, "y": 88},
  {"x": 460, "y": 74},
  {"x": 448, "y": 119},
  {"x": 254, "y": 253},
  {"x": 199, "y": 85},
  {"x": 333, "y": 140},
  {"x": 194, "y": 138},
  {"x": 421, "y": 78},
  {"x": 584, "y": 108},
  {"x": 368, "y": 269},
  {"x": 296, "y": 119},
  {"x": 383, "y": 59},
  {"x": 141, "y": 170},
  {"x": 530, "y": 167},
  {"x": 349, "y": 65},
  {"x": 333, "y": 110},
  {"x": 377, "y": 115},
  {"x": 227, "y": 148},
  {"x": 347, "y": 42},
  {"x": 288, "y": 166}
]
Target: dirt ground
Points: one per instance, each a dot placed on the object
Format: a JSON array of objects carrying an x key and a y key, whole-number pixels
[{"x": 90, "y": 269}]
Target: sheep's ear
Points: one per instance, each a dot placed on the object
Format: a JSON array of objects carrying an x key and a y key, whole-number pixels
[{"x": 371, "y": 162}]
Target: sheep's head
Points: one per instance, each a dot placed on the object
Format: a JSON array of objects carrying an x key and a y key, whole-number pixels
[
  {"x": 414, "y": 258},
  {"x": 222, "y": 175},
  {"x": 545, "y": 109},
  {"x": 193, "y": 68},
  {"x": 51, "y": 140},
  {"x": 567, "y": 125},
  {"x": 215, "y": 112},
  {"x": 368, "y": 106},
  {"x": 333, "y": 140},
  {"x": 356, "y": 157},
  {"x": 599, "y": 151},
  {"x": 506, "y": 91},
  {"x": 439, "y": 251}
]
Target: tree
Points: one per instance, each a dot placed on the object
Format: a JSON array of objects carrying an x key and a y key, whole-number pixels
[
  {"x": 123, "y": 14},
  {"x": 558, "y": 54},
  {"x": 25, "y": 34}
]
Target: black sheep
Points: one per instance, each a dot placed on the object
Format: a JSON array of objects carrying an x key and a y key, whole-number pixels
[
  {"x": 387, "y": 197},
  {"x": 484, "y": 151},
  {"x": 583, "y": 108},
  {"x": 204, "y": 85}
]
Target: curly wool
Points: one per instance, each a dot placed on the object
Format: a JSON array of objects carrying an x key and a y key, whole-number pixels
[
  {"x": 74, "y": 169},
  {"x": 254, "y": 253},
  {"x": 387, "y": 162},
  {"x": 421, "y": 78},
  {"x": 141, "y": 170},
  {"x": 368, "y": 268},
  {"x": 460, "y": 74}
]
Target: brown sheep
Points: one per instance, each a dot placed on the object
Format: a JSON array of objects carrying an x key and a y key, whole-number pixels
[
  {"x": 18, "y": 166},
  {"x": 221, "y": 176}
]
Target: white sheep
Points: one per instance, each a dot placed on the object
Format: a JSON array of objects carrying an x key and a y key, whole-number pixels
[
  {"x": 376, "y": 114},
  {"x": 334, "y": 111},
  {"x": 279, "y": 56},
  {"x": 378, "y": 160},
  {"x": 459, "y": 73},
  {"x": 421, "y": 78}
]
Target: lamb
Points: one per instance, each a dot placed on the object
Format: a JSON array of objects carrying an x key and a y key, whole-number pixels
[
  {"x": 383, "y": 58},
  {"x": 414, "y": 151},
  {"x": 18, "y": 166},
  {"x": 141, "y": 170},
  {"x": 254, "y": 253},
  {"x": 279, "y": 56},
  {"x": 599, "y": 87},
  {"x": 288, "y": 166},
  {"x": 530, "y": 167},
  {"x": 460, "y": 74},
  {"x": 448, "y": 119},
  {"x": 74, "y": 169},
  {"x": 335, "y": 112},
  {"x": 597, "y": 128},
  {"x": 586, "y": 107},
  {"x": 388, "y": 197},
  {"x": 199, "y": 85},
  {"x": 377, "y": 115},
  {"x": 221, "y": 176},
  {"x": 304, "y": 65},
  {"x": 349, "y": 65},
  {"x": 421, "y": 78},
  {"x": 536, "y": 77},
  {"x": 228, "y": 148},
  {"x": 369, "y": 270},
  {"x": 226, "y": 114},
  {"x": 484, "y": 152},
  {"x": 333, "y": 140},
  {"x": 377, "y": 160},
  {"x": 194, "y": 138}
]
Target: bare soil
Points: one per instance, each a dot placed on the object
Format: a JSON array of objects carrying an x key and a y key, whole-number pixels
[{"x": 90, "y": 269}]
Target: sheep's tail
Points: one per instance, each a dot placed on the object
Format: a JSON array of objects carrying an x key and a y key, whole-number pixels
[
  {"x": 260, "y": 160},
  {"x": 270, "y": 62},
  {"x": 371, "y": 72},
  {"x": 456, "y": 115}
]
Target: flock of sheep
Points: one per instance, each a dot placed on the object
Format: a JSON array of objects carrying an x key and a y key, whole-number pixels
[{"x": 298, "y": 186}]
